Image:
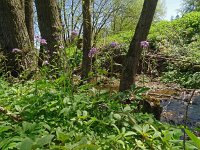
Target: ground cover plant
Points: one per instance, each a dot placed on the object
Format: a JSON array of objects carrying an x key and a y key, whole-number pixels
[
  {"x": 50, "y": 117},
  {"x": 91, "y": 75}
]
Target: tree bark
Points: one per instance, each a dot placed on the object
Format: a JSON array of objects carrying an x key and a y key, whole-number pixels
[
  {"x": 2, "y": 45},
  {"x": 135, "y": 50},
  {"x": 15, "y": 35},
  {"x": 87, "y": 38},
  {"x": 50, "y": 28},
  {"x": 29, "y": 15}
]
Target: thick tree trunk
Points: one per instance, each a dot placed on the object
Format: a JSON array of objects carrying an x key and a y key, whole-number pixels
[
  {"x": 135, "y": 50},
  {"x": 15, "y": 35},
  {"x": 29, "y": 15},
  {"x": 50, "y": 28},
  {"x": 87, "y": 38}
]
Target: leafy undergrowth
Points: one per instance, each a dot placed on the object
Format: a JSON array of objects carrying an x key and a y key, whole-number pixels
[
  {"x": 185, "y": 79},
  {"x": 54, "y": 117}
]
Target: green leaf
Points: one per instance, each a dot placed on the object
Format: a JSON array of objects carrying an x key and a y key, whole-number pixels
[
  {"x": 64, "y": 111},
  {"x": 18, "y": 108},
  {"x": 116, "y": 128},
  {"x": 26, "y": 144},
  {"x": 61, "y": 136},
  {"x": 66, "y": 100},
  {"x": 122, "y": 143},
  {"x": 137, "y": 128},
  {"x": 46, "y": 126},
  {"x": 130, "y": 133},
  {"x": 127, "y": 108},
  {"x": 145, "y": 128},
  {"x": 85, "y": 113},
  {"x": 117, "y": 116},
  {"x": 193, "y": 137},
  {"x": 131, "y": 120},
  {"x": 44, "y": 140},
  {"x": 87, "y": 146},
  {"x": 4, "y": 128}
]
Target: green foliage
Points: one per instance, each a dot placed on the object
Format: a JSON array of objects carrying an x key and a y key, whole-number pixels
[
  {"x": 185, "y": 79},
  {"x": 127, "y": 15},
  {"x": 88, "y": 118},
  {"x": 120, "y": 37},
  {"x": 190, "y": 5},
  {"x": 179, "y": 37},
  {"x": 194, "y": 138}
]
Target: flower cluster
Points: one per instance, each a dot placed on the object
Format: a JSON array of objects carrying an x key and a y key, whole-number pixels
[
  {"x": 41, "y": 40},
  {"x": 113, "y": 44},
  {"x": 92, "y": 52},
  {"x": 144, "y": 44}
]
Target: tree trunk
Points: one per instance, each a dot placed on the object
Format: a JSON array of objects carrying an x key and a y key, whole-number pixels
[
  {"x": 87, "y": 38},
  {"x": 135, "y": 50},
  {"x": 29, "y": 15},
  {"x": 2, "y": 45},
  {"x": 50, "y": 28},
  {"x": 15, "y": 35}
]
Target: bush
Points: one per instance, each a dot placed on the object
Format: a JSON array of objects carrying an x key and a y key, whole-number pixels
[{"x": 179, "y": 37}]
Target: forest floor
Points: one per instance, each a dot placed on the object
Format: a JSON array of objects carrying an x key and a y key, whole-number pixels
[{"x": 170, "y": 96}]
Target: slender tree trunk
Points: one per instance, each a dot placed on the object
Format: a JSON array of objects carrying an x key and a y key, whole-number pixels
[
  {"x": 135, "y": 50},
  {"x": 15, "y": 35},
  {"x": 87, "y": 38},
  {"x": 29, "y": 15},
  {"x": 50, "y": 28}
]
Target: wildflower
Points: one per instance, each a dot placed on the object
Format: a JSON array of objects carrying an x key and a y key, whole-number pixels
[
  {"x": 92, "y": 52},
  {"x": 113, "y": 44},
  {"x": 43, "y": 42},
  {"x": 45, "y": 62},
  {"x": 144, "y": 44},
  {"x": 61, "y": 47},
  {"x": 16, "y": 50}
]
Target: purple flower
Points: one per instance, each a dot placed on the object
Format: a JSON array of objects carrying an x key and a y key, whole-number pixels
[
  {"x": 113, "y": 44},
  {"x": 92, "y": 52},
  {"x": 16, "y": 50},
  {"x": 43, "y": 42},
  {"x": 144, "y": 44}
]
